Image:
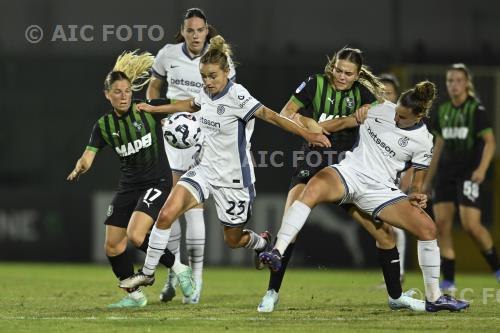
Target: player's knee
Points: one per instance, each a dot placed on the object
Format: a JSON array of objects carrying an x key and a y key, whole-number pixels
[
  {"x": 136, "y": 238},
  {"x": 428, "y": 231},
  {"x": 113, "y": 249},
  {"x": 311, "y": 194},
  {"x": 472, "y": 229},
  {"x": 165, "y": 217},
  {"x": 385, "y": 239}
]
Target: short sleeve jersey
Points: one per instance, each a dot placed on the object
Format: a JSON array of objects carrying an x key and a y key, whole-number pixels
[
  {"x": 385, "y": 150},
  {"x": 137, "y": 140},
  {"x": 320, "y": 101},
  {"x": 461, "y": 128},
  {"x": 181, "y": 72},
  {"x": 227, "y": 123}
]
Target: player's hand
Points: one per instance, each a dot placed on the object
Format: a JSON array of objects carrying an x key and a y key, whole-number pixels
[
  {"x": 478, "y": 176},
  {"x": 75, "y": 174},
  {"x": 144, "y": 107},
  {"x": 362, "y": 113},
  {"x": 317, "y": 139},
  {"x": 418, "y": 200}
]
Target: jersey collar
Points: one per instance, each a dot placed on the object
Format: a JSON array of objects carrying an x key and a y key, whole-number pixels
[
  {"x": 186, "y": 52},
  {"x": 223, "y": 92},
  {"x": 414, "y": 127}
]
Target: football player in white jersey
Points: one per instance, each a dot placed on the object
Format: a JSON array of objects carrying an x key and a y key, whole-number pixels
[
  {"x": 178, "y": 65},
  {"x": 226, "y": 168},
  {"x": 391, "y": 139}
]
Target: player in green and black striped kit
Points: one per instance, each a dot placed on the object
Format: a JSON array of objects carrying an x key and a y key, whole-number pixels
[
  {"x": 145, "y": 180},
  {"x": 332, "y": 99},
  {"x": 464, "y": 148}
]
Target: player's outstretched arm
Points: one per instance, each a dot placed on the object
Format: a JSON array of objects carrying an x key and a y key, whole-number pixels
[
  {"x": 291, "y": 111},
  {"x": 82, "y": 165},
  {"x": 274, "y": 118},
  {"x": 339, "y": 124},
  {"x": 180, "y": 106}
]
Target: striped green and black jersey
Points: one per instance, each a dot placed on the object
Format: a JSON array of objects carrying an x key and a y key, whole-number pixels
[
  {"x": 462, "y": 128},
  {"x": 137, "y": 139},
  {"x": 320, "y": 101}
]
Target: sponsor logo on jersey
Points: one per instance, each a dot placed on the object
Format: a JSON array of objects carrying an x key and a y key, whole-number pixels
[
  {"x": 172, "y": 66},
  {"x": 332, "y": 100},
  {"x": 220, "y": 110},
  {"x": 117, "y": 134},
  {"x": 209, "y": 123},
  {"x": 187, "y": 83},
  {"x": 455, "y": 132},
  {"x": 403, "y": 142},
  {"x": 134, "y": 146},
  {"x": 388, "y": 150},
  {"x": 138, "y": 125},
  {"x": 241, "y": 97},
  {"x": 299, "y": 88},
  {"x": 242, "y": 104}
]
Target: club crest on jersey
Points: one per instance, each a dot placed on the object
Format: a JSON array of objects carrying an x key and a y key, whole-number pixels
[
  {"x": 191, "y": 173},
  {"x": 110, "y": 211},
  {"x": 221, "y": 109},
  {"x": 138, "y": 126},
  {"x": 403, "y": 142},
  {"x": 349, "y": 102}
]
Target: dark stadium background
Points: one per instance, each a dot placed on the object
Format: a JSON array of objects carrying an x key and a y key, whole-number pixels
[{"x": 51, "y": 94}]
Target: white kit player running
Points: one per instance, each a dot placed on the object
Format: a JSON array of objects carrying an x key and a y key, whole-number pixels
[
  {"x": 178, "y": 65},
  {"x": 391, "y": 139},
  {"x": 225, "y": 170}
]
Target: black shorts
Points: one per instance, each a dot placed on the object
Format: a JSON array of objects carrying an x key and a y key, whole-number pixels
[
  {"x": 312, "y": 163},
  {"x": 148, "y": 200},
  {"x": 461, "y": 191}
]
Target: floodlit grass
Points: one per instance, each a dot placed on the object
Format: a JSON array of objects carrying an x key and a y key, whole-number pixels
[{"x": 73, "y": 298}]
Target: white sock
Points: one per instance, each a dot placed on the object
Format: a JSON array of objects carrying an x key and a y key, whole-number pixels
[
  {"x": 174, "y": 242},
  {"x": 401, "y": 245},
  {"x": 256, "y": 242},
  {"x": 157, "y": 243},
  {"x": 430, "y": 264},
  {"x": 293, "y": 221},
  {"x": 178, "y": 267},
  {"x": 195, "y": 240}
]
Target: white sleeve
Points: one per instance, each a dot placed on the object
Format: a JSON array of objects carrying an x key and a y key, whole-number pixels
[
  {"x": 245, "y": 104},
  {"x": 159, "y": 65},
  {"x": 422, "y": 158}
]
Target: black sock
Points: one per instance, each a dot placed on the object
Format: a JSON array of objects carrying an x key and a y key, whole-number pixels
[
  {"x": 276, "y": 278},
  {"x": 122, "y": 265},
  {"x": 491, "y": 257},
  {"x": 448, "y": 269},
  {"x": 389, "y": 262},
  {"x": 166, "y": 259}
]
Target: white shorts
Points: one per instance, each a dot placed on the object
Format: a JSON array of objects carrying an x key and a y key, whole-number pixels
[
  {"x": 180, "y": 160},
  {"x": 234, "y": 205},
  {"x": 366, "y": 193}
]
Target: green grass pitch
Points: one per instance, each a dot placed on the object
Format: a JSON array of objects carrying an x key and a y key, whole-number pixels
[{"x": 73, "y": 298}]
